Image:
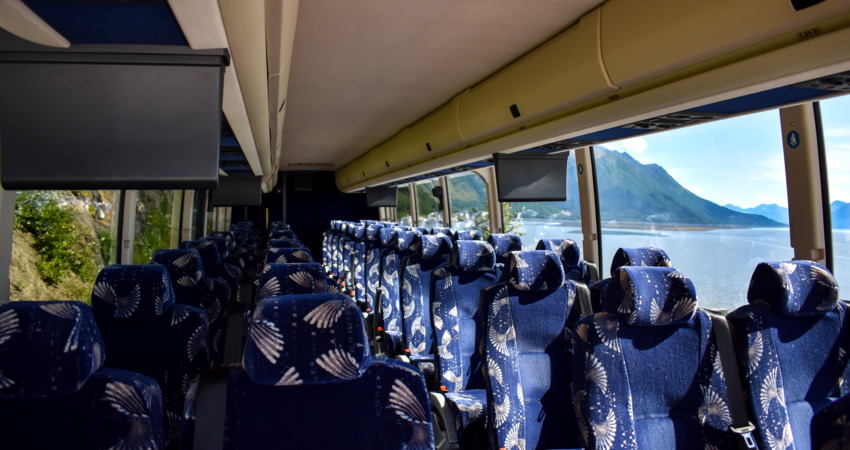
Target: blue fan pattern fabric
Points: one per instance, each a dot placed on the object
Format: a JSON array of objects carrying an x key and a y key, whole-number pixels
[
  {"x": 358, "y": 261},
  {"x": 640, "y": 256},
  {"x": 504, "y": 244},
  {"x": 793, "y": 342},
  {"x": 372, "y": 264},
  {"x": 467, "y": 235},
  {"x": 526, "y": 351},
  {"x": 291, "y": 279},
  {"x": 118, "y": 292},
  {"x": 288, "y": 255},
  {"x": 391, "y": 285},
  {"x": 646, "y": 380},
  {"x": 574, "y": 268}
]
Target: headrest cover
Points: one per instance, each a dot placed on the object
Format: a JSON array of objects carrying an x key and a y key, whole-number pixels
[
  {"x": 640, "y": 256},
  {"x": 184, "y": 266},
  {"x": 445, "y": 230},
  {"x": 306, "y": 339},
  {"x": 534, "y": 270},
  {"x": 282, "y": 234},
  {"x": 288, "y": 255},
  {"x": 222, "y": 245},
  {"x": 504, "y": 244},
  {"x": 468, "y": 235},
  {"x": 567, "y": 250},
  {"x": 333, "y": 286},
  {"x": 435, "y": 247},
  {"x": 388, "y": 237},
  {"x": 373, "y": 232},
  {"x": 47, "y": 348},
  {"x": 123, "y": 291},
  {"x": 408, "y": 241},
  {"x": 472, "y": 256},
  {"x": 224, "y": 234},
  {"x": 794, "y": 288},
  {"x": 210, "y": 257},
  {"x": 285, "y": 243},
  {"x": 650, "y": 296},
  {"x": 358, "y": 231},
  {"x": 336, "y": 225},
  {"x": 290, "y": 279}
]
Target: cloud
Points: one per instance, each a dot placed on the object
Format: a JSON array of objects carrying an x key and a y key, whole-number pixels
[
  {"x": 635, "y": 146},
  {"x": 837, "y": 132},
  {"x": 695, "y": 189}
]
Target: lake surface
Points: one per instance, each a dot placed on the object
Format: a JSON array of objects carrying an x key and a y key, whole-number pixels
[{"x": 719, "y": 262}]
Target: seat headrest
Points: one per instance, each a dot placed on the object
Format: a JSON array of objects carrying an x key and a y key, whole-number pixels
[
  {"x": 221, "y": 244},
  {"x": 358, "y": 231},
  {"x": 184, "y": 266},
  {"x": 373, "y": 232},
  {"x": 467, "y": 235},
  {"x": 336, "y": 225},
  {"x": 210, "y": 257},
  {"x": 137, "y": 291},
  {"x": 47, "y": 348},
  {"x": 472, "y": 256},
  {"x": 388, "y": 237},
  {"x": 434, "y": 247},
  {"x": 285, "y": 243},
  {"x": 288, "y": 255},
  {"x": 567, "y": 250},
  {"x": 650, "y": 296},
  {"x": 290, "y": 279},
  {"x": 282, "y": 234},
  {"x": 793, "y": 288},
  {"x": 640, "y": 256},
  {"x": 408, "y": 241},
  {"x": 224, "y": 234},
  {"x": 306, "y": 339},
  {"x": 445, "y": 230},
  {"x": 534, "y": 270},
  {"x": 504, "y": 244}
]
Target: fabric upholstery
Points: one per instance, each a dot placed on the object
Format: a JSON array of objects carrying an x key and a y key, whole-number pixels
[
  {"x": 830, "y": 427},
  {"x": 221, "y": 244},
  {"x": 290, "y": 279},
  {"x": 118, "y": 291},
  {"x": 792, "y": 344},
  {"x": 288, "y": 255},
  {"x": 285, "y": 243},
  {"x": 431, "y": 253},
  {"x": 391, "y": 286},
  {"x": 171, "y": 347},
  {"x": 504, "y": 244},
  {"x": 210, "y": 257},
  {"x": 659, "y": 386},
  {"x": 472, "y": 256},
  {"x": 53, "y": 391},
  {"x": 282, "y": 234},
  {"x": 536, "y": 270},
  {"x": 527, "y": 356},
  {"x": 323, "y": 340},
  {"x": 467, "y": 235},
  {"x": 358, "y": 262},
  {"x": 372, "y": 263},
  {"x": 444, "y": 230},
  {"x": 640, "y": 256},
  {"x": 574, "y": 267},
  {"x": 651, "y": 296}
]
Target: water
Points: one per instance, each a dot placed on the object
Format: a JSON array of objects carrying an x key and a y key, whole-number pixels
[{"x": 719, "y": 262}]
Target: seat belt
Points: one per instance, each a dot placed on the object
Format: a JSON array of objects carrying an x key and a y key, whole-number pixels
[
  {"x": 741, "y": 425},
  {"x": 210, "y": 404},
  {"x": 583, "y": 296}
]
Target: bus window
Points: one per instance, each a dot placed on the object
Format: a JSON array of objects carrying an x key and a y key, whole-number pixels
[
  {"x": 534, "y": 221},
  {"x": 403, "y": 209},
  {"x": 427, "y": 205},
  {"x": 61, "y": 241},
  {"x": 713, "y": 196},
  {"x": 468, "y": 193},
  {"x": 157, "y": 223},
  {"x": 835, "y": 118}
]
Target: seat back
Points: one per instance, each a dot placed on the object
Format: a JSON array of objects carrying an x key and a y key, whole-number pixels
[
  {"x": 628, "y": 256},
  {"x": 526, "y": 351},
  {"x": 288, "y": 255},
  {"x": 792, "y": 339},
  {"x": 457, "y": 287},
  {"x": 428, "y": 253},
  {"x": 285, "y": 243},
  {"x": 372, "y": 263},
  {"x": 144, "y": 331},
  {"x": 308, "y": 373},
  {"x": 647, "y": 372},
  {"x": 358, "y": 262},
  {"x": 290, "y": 279},
  {"x": 466, "y": 235},
  {"x": 390, "y": 318},
  {"x": 54, "y": 392},
  {"x": 503, "y": 244},
  {"x": 574, "y": 268}
]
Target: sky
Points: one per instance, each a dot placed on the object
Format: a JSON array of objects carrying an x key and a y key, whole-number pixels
[{"x": 740, "y": 160}]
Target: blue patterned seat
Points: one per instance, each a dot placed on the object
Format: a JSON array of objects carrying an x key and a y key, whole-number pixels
[
  {"x": 146, "y": 332},
  {"x": 215, "y": 267},
  {"x": 288, "y": 255},
  {"x": 282, "y": 233},
  {"x": 466, "y": 235},
  {"x": 457, "y": 287},
  {"x": 308, "y": 381},
  {"x": 830, "y": 427},
  {"x": 793, "y": 339},
  {"x": 445, "y": 230},
  {"x": 53, "y": 391},
  {"x": 527, "y": 354},
  {"x": 358, "y": 263},
  {"x": 428, "y": 253},
  {"x": 372, "y": 263},
  {"x": 285, "y": 243},
  {"x": 625, "y": 256},
  {"x": 575, "y": 268},
  {"x": 647, "y": 372},
  {"x": 503, "y": 244},
  {"x": 290, "y": 279},
  {"x": 193, "y": 288}
]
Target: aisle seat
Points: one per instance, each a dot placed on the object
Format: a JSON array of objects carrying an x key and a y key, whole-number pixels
[
  {"x": 575, "y": 269},
  {"x": 503, "y": 244}
]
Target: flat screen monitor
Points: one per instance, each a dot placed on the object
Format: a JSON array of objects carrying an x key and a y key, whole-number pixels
[
  {"x": 531, "y": 177},
  {"x": 381, "y": 196},
  {"x": 238, "y": 191}
]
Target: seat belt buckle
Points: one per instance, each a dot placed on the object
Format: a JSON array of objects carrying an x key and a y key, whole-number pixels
[{"x": 745, "y": 433}]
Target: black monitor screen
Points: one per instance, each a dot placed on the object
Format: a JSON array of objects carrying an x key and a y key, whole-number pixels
[
  {"x": 381, "y": 196},
  {"x": 531, "y": 177},
  {"x": 238, "y": 191}
]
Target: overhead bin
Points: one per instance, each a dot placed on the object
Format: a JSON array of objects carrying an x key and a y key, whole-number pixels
[{"x": 649, "y": 39}]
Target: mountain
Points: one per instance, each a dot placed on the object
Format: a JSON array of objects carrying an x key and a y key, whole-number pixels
[
  {"x": 771, "y": 211},
  {"x": 631, "y": 191},
  {"x": 840, "y": 214}
]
